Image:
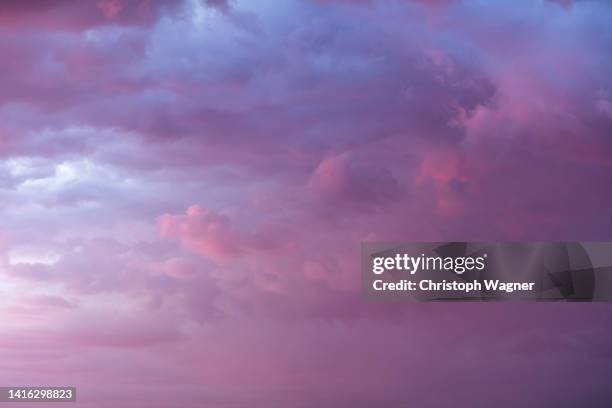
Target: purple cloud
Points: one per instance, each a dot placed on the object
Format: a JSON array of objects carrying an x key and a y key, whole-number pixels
[{"x": 185, "y": 184}]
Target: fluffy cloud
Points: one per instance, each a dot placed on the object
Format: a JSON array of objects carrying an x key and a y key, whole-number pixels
[{"x": 204, "y": 231}]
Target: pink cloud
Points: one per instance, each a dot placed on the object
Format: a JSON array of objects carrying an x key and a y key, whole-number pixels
[
  {"x": 204, "y": 231},
  {"x": 65, "y": 15}
]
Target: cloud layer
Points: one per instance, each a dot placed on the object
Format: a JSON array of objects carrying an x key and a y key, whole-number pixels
[{"x": 184, "y": 186}]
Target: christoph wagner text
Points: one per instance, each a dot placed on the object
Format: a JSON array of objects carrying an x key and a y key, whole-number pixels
[
  {"x": 454, "y": 286},
  {"x": 412, "y": 264}
]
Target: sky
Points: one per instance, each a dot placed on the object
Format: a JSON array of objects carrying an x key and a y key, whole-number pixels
[{"x": 184, "y": 187}]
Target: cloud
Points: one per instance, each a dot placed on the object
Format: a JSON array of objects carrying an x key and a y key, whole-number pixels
[
  {"x": 204, "y": 231},
  {"x": 184, "y": 187},
  {"x": 65, "y": 15},
  {"x": 346, "y": 179}
]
